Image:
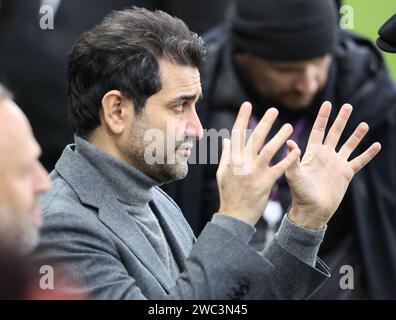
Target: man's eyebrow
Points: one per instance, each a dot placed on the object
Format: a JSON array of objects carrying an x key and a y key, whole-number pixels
[{"x": 185, "y": 97}]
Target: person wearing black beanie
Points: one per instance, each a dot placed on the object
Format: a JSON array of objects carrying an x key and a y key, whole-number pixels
[
  {"x": 285, "y": 30},
  {"x": 387, "y": 36},
  {"x": 293, "y": 55},
  {"x": 285, "y": 46}
]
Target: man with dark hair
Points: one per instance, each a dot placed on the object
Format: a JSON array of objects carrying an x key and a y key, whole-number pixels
[
  {"x": 135, "y": 77},
  {"x": 291, "y": 54},
  {"x": 27, "y": 45}
]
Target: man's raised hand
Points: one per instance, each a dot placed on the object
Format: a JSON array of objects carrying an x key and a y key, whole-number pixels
[
  {"x": 319, "y": 182},
  {"x": 245, "y": 177}
]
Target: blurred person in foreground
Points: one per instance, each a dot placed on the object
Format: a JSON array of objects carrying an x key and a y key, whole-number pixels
[
  {"x": 22, "y": 178},
  {"x": 22, "y": 181}
]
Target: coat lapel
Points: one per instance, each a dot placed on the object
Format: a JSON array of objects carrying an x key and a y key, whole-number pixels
[
  {"x": 122, "y": 224},
  {"x": 92, "y": 190},
  {"x": 172, "y": 234}
]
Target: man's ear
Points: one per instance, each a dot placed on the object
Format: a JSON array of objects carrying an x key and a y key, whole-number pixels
[{"x": 116, "y": 111}]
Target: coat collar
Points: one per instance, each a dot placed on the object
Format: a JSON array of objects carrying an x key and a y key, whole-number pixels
[{"x": 128, "y": 184}]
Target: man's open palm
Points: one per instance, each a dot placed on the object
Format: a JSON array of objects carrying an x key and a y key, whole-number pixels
[{"x": 319, "y": 182}]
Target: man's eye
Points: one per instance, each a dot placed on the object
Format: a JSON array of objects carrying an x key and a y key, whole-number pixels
[
  {"x": 287, "y": 70},
  {"x": 179, "y": 107}
]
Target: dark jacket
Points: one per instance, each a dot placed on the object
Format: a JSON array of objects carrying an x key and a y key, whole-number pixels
[{"x": 366, "y": 218}]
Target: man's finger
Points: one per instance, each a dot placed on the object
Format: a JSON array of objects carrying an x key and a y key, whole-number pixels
[
  {"x": 354, "y": 140},
  {"x": 225, "y": 158},
  {"x": 290, "y": 172},
  {"x": 361, "y": 161},
  {"x": 338, "y": 126},
  {"x": 238, "y": 133},
  {"x": 319, "y": 127},
  {"x": 273, "y": 146},
  {"x": 292, "y": 159},
  {"x": 261, "y": 131}
]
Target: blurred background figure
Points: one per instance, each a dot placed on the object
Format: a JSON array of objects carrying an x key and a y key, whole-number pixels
[
  {"x": 387, "y": 35},
  {"x": 293, "y": 55}
]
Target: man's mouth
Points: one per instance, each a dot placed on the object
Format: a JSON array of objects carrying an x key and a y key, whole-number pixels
[{"x": 185, "y": 149}]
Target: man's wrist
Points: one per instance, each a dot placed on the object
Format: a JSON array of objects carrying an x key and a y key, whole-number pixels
[
  {"x": 243, "y": 216},
  {"x": 306, "y": 218},
  {"x": 243, "y": 231},
  {"x": 301, "y": 242}
]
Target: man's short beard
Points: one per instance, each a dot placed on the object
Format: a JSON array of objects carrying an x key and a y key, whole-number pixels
[
  {"x": 21, "y": 236},
  {"x": 169, "y": 170},
  {"x": 28, "y": 240},
  {"x": 163, "y": 173}
]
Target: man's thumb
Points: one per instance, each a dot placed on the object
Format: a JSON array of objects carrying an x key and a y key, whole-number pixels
[{"x": 292, "y": 170}]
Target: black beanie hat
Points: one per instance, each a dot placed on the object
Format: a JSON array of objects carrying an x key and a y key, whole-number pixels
[
  {"x": 387, "y": 33},
  {"x": 285, "y": 30}
]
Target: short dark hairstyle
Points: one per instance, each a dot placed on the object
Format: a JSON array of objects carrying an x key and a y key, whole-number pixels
[{"x": 121, "y": 53}]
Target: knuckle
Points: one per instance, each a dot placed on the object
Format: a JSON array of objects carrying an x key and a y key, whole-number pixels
[{"x": 269, "y": 151}]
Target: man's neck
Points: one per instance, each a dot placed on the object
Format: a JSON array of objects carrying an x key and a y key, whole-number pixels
[{"x": 103, "y": 142}]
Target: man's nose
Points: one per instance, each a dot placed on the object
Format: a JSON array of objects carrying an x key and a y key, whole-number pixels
[
  {"x": 194, "y": 127},
  {"x": 307, "y": 81},
  {"x": 42, "y": 181}
]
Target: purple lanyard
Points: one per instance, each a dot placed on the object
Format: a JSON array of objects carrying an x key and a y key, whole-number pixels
[{"x": 298, "y": 127}]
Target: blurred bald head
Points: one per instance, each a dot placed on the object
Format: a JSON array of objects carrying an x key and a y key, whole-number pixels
[{"x": 22, "y": 178}]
